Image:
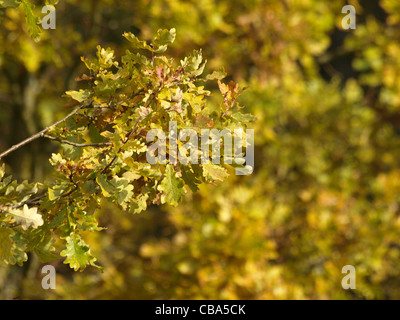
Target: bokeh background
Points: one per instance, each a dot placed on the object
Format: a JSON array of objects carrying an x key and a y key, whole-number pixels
[{"x": 326, "y": 187}]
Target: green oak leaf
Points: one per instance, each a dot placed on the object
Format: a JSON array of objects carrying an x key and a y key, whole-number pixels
[
  {"x": 163, "y": 38},
  {"x": 190, "y": 178},
  {"x": 193, "y": 65},
  {"x": 19, "y": 255},
  {"x": 214, "y": 172},
  {"x": 79, "y": 96},
  {"x": 56, "y": 192},
  {"x": 136, "y": 43},
  {"x": 172, "y": 187},
  {"x": 45, "y": 249},
  {"x": 33, "y": 28},
  {"x": 139, "y": 204},
  {"x": 77, "y": 253},
  {"x": 132, "y": 58},
  {"x": 217, "y": 75},
  {"x": 118, "y": 188}
]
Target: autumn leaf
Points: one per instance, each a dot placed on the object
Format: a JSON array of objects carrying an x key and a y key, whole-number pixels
[
  {"x": 32, "y": 21},
  {"x": 27, "y": 217},
  {"x": 214, "y": 172},
  {"x": 171, "y": 187},
  {"x": 77, "y": 253},
  {"x": 79, "y": 96}
]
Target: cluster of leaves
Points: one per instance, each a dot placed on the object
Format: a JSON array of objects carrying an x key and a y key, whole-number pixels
[{"x": 104, "y": 149}]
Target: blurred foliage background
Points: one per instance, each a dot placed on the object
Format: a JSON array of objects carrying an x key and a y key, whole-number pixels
[{"x": 326, "y": 187}]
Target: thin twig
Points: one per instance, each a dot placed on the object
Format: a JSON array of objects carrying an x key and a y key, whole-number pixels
[
  {"x": 70, "y": 192},
  {"x": 75, "y": 144},
  {"x": 29, "y": 201},
  {"x": 39, "y": 134}
]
